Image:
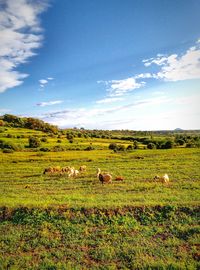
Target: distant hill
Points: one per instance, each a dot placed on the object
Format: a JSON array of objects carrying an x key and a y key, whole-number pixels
[{"x": 178, "y": 129}]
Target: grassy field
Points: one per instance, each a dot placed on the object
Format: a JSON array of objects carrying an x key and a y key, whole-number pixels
[{"x": 56, "y": 222}]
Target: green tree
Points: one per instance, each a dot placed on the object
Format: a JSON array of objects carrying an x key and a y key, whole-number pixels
[{"x": 34, "y": 142}]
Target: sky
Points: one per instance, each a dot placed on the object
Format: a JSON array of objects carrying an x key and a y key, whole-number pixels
[{"x": 102, "y": 64}]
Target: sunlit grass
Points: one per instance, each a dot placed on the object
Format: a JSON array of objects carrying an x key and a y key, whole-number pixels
[{"x": 22, "y": 181}]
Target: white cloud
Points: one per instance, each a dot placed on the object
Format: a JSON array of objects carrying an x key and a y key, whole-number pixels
[
  {"x": 101, "y": 117},
  {"x": 43, "y": 81},
  {"x": 20, "y": 35},
  {"x": 176, "y": 68},
  {"x": 49, "y": 103},
  {"x": 109, "y": 100},
  {"x": 121, "y": 87}
]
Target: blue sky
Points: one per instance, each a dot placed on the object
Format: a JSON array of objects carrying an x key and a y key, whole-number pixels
[{"x": 102, "y": 64}]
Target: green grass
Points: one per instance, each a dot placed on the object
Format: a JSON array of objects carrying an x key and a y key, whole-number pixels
[
  {"x": 54, "y": 222},
  {"x": 134, "y": 238},
  {"x": 22, "y": 181}
]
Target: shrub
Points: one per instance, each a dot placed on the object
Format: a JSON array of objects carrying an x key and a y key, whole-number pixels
[
  {"x": 129, "y": 147},
  {"x": 167, "y": 145},
  {"x": 89, "y": 148},
  {"x": 180, "y": 142},
  {"x": 112, "y": 146},
  {"x": 121, "y": 147},
  {"x": 69, "y": 136},
  {"x": 34, "y": 142},
  {"x": 151, "y": 145},
  {"x": 58, "y": 148},
  {"x": 8, "y": 151},
  {"x": 6, "y": 145},
  {"x": 59, "y": 141},
  {"x": 135, "y": 144},
  {"x": 44, "y": 149},
  {"x": 10, "y": 136},
  {"x": 43, "y": 139},
  {"x": 190, "y": 145}
]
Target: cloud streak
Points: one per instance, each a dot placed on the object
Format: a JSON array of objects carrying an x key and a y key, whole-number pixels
[
  {"x": 49, "y": 103},
  {"x": 20, "y": 34},
  {"x": 95, "y": 117},
  {"x": 109, "y": 100}
]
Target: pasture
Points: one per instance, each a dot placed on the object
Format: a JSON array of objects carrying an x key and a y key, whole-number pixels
[
  {"x": 52, "y": 221},
  {"x": 22, "y": 181}
]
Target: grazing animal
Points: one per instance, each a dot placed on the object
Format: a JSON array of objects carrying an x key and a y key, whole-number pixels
[
  {"x": 82, "y": 168},
  {"x": 119, "y": 178},
  {"x": 75, "y": 173},
  {"x": 71, "y": 172},
  {"x": 163, "y": 179},
  {"x": 105, "y": 177},
  {"x": 65, "y": 169},
  {"x": 57, "y": 169},
  {"x": 48, "y": 170}
]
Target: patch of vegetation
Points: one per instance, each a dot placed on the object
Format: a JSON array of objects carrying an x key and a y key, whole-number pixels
[
  {"x": 122, "y": 238},
  {"x": 51, "y": 221}
]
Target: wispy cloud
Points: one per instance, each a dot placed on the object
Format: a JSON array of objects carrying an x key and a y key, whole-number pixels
[
  {"x": 43, "y": 82},
  {"x": 20, "y": 35},
  {"x": 109, "y": 100},
  {"x": 49, "y": 103},
  {"x": 98, "y": 117},
  {"x": 177, "y": 67},
  {"x": 172, "y": 67},
  {"x": 121, "y": 87}
]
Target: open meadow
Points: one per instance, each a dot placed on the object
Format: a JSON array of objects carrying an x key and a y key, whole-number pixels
[{"x": 52, "y": 221}]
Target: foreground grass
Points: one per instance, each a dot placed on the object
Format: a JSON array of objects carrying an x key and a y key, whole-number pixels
[{"x": 122, "y": 238}]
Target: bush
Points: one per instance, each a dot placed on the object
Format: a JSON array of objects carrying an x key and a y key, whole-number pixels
[
  {"x": 10, "y": 136},
  {"x": 6, "y": 145},
  {"x": 69, "y": 136},
  {"x": 121, "y": 147},
  {"x": 151, "y": 145},
  {"x": 112, "y": 146},
  {"x": 8, "y": 151},
  {"x": 59, "y": 141},
  {"x": 58, "y": 148},
  {"x": 89, "y": 148},
  {"x": 129, "y": 147},
  {"x": 190, "y": 145},
  {"x": 43, "y": 139},
  {"x": 44, "y": 149},
  {"x": 167, "y": 145},
  {"x": 135, "y": 144},
  {"x": 180, "y": 142},
  {"x": 34, "y": 142}
]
